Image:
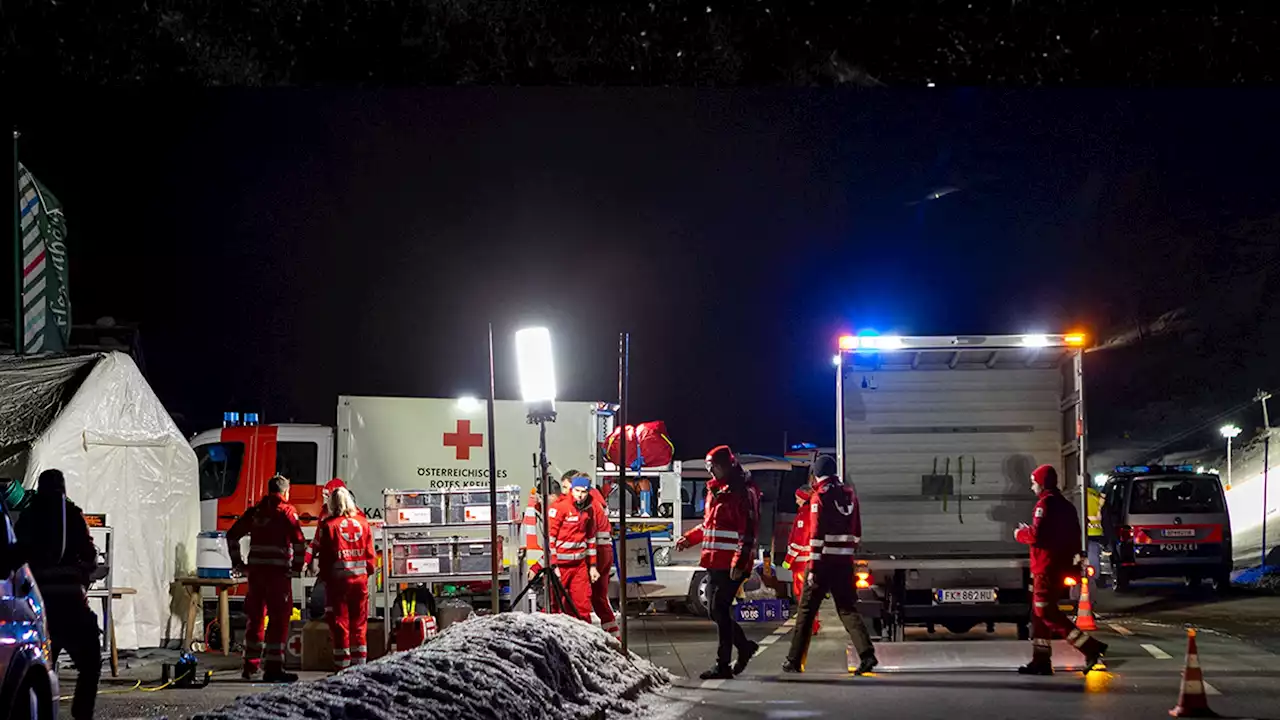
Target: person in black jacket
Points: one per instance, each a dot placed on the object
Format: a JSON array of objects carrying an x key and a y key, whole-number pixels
[{"x": 54, "y": 540}]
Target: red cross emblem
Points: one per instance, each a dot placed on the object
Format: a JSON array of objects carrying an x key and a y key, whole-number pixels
[
  {"x": 295, "y": 645},
  {"x": 350, "y": 531},
  {"x": 462, "y": 440}
]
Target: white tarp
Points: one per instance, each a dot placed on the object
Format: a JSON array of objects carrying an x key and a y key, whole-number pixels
[{"x": 122, "y": 455}]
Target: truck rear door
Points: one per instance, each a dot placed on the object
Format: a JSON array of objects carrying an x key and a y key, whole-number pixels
[{"x": 940, "y": 435}]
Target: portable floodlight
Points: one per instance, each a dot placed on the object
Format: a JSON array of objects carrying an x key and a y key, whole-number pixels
[
  {"x": 536, "y": 369},
  {"x": 538, "y": 388}
]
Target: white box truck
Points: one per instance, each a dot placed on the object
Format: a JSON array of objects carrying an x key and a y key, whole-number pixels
[{"x": 939, "y": 435}]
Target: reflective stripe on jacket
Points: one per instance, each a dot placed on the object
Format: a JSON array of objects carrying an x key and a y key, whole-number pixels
[
  {"x": 835, "y": 522},
  {"x": 572, "y": 531},
  {"x": 345, "y": 548},
  {"x": 275, "y": 535},
  {"x": 728, "y": 530}
]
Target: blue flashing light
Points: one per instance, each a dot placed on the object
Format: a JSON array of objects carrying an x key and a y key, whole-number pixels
[
  {"x": 230, "y": 419},
  {"x": 1150, "y": 469},
  {"x": 251, "y": 418},
  {"x": 804, "y": 446}
]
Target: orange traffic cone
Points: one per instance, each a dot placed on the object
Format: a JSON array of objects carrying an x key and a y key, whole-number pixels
[
  {"x": 1084, "y": 615},
  {"x": 1192, "y": 701}
]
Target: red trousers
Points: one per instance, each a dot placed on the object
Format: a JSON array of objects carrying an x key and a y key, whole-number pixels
[
  {"x": 577, "y": 584},
  {"x": 798, "y": 574},
  {"x": 1048, "y": 620},
  {"x": 600, "y": 595},
  {"x": 348, "y": 615},
  {"x": 270, "y": 595}
]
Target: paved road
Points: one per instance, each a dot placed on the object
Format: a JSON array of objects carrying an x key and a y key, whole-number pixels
[
  {"x": 938, "y": 676},
  {"x": 973, "y": 676}
]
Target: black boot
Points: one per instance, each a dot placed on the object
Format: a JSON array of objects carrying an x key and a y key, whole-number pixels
[
  {"x": 744, "y": 657},
  {"x": 1093, "y": 652},
  {"x": 788, "y": 666},
  {"x": 869, "y": 663},
  {"x": 719, "y": 672},
  {"x": 276, "y": 675},
  {"x": 1037, "y": 666}
]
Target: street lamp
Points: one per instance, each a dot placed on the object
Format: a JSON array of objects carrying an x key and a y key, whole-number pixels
[
  {"x": 536, "y": 369},
  {"x": 1230, "y": 432}
]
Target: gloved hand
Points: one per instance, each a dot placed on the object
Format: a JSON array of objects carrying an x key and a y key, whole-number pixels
[
  {"x": 737, "y": 574},
  {"x": 683, "y": 543},
  {"x": 594, "y": 574}
]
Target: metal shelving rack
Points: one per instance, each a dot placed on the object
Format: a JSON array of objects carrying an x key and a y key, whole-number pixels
[{"x": 390, "y": 531}]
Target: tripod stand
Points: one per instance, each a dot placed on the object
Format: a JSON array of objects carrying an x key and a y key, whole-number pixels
[{"x": 555, "y": 588}]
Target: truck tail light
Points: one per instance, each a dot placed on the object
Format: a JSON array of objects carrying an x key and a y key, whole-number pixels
[
  {"x": 863, "y": 580},
  {"x": 1069, "y": 581},
  {"x": 1091, "y": 571}
]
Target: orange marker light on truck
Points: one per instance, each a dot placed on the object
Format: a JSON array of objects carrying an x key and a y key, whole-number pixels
[
  {"x": 1075, "y": 339},
  {"x": 1069, "y": 581},
  {"x": 864, "y": 581},
  {"x": 848, "y": 342}
]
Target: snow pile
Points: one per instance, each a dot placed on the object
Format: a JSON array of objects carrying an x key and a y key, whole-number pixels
[{"x": 514, "y": 665}]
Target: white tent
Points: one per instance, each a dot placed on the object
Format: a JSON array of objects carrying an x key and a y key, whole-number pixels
[{"x": 122, "y": 455}]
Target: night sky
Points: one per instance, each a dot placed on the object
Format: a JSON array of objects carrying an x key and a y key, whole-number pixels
[{"x": 281, "y": 247}]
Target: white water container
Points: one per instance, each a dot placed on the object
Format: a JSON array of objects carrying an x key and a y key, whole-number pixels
[{"x": 213, "y": 560}]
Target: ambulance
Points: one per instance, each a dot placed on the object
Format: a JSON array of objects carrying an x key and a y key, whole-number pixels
[{"x": 386, "y": 443}]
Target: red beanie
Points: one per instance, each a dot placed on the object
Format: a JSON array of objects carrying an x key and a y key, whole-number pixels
[
  {"x": 721, "y": 453},
  {"x": 334, "y": 484},
  {"x": 1045, "y": 476}
]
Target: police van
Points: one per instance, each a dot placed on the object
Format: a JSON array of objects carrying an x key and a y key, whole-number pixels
[{"x": 1165, "y": 521}]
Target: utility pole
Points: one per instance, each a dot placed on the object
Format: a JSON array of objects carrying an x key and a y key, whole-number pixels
[{"x": 1262, "y": 397}]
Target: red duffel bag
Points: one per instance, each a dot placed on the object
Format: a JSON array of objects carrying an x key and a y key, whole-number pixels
[
  {"x": 612, "y": 445},
  {"x": 656, "y": 449},
  {"x": 647, "y": 445}
]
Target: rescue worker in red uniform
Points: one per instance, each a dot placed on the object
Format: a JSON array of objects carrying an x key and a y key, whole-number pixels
[
  {"x": 728, "y": 537},
  {"x": 836, "y": 529},
  {"x": 325, "y": 493},
  {"x": 604, "y": 563},
  {"x": 798, "y": 556},
  {"x": 1054, "y": 537},
  {"x": 572, "y": 529},
  {"x": 345, "y": 553},
  {"x": 276, "y": 548}
]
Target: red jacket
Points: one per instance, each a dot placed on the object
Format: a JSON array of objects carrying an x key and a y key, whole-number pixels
[
  {"x": 1054, "y": 535},
  {"x": 344, "y": 548},
  {"x": 835, "y": 522},
  {"x": 798, "y": 557},
  {"x": 572, "y": 532},
  {"x": 275, "y": 536},
  {"x": 314, "y": 546},
  {"x": 728, "y": 529},
  {"x": 604, "y": 531}
]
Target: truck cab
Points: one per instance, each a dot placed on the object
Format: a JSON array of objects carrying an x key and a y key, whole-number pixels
[{"x": 237, "y": 460}]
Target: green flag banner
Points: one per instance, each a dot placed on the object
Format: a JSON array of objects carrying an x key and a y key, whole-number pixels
[{"x": 42, "y": 270}]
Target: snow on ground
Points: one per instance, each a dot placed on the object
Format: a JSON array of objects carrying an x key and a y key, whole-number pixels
[{"x": 521, "y": 666}]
